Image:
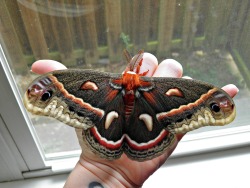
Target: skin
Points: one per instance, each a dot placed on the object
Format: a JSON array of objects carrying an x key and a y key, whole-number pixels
[{"x": 122, "y": 172}]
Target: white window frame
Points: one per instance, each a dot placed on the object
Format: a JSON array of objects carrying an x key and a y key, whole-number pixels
[{"x": 22, "y": 157}]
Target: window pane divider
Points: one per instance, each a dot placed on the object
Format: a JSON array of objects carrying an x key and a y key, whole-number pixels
[{"x": 16, "y": 118}]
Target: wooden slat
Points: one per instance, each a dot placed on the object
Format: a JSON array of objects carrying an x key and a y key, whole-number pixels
[
  {"x": 153, "y": 20},
  {"x": 16, "y": 19},
  {"x": 10, "y": 41},
  {"x": 72, "y": 15},
  {"x": 61, "y": 29},
  {"x": 190, "y": 23},
  {"x": 141, "y": 15},
  {"x": 178, "y": 19},
  {"x": 127, "y": 17},
  {"x": 46, "y": 24},
  {"x": 76, "y": 28},
  {"x": 34, "y": 29},
  {"x": 88, "y": 28},
  {"x": 166, "y": 26},
  {"x": 127, "y": 24},
  {"x": 101, "y": 23},
  {"x": 217, "y": 23},
  {"x": 225, "y": 20},
  {"x": 237, "y": 20},
  {"x": 203, "y": 15},
  {"x": 113, "y": 24},
  {"x": 244, "y": 46},
  {"x": 212, "y": 26}
]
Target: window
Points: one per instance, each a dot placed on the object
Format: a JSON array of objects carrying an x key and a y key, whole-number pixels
[{"x": 209, "y": 38}]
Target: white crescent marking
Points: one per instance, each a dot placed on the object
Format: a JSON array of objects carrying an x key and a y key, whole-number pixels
[
  {"x": 148, "y": 120},
  {"x": 110, "y": 117}
]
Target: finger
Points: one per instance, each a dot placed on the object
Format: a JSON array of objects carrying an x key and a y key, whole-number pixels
[
  {"x": 149, "y": 64},
  {"x": 44, "y": 66},
  {"x": 169, "y": 68},
  {"x": 231, "y": 89}
]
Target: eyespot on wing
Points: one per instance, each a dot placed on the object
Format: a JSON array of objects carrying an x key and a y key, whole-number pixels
[{"x": 222, "y": 107}]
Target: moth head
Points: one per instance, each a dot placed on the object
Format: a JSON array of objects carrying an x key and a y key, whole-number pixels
[
  {"x": 39, "y": 94},
  {"x": 221, "y": 107}
]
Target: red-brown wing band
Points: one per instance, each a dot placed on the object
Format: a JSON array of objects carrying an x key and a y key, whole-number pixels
[
  {"x": 79, "y": 101},
  {"x": 185, "y": 108}
]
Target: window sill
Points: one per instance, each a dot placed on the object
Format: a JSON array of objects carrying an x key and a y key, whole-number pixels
[
  {"x": 216, "y": 140},
  {"x": 210, "y": 170},
  {"x": 191, "y": 144}
]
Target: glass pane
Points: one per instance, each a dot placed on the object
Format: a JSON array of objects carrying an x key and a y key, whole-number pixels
[{"x": 209, "y": 38}]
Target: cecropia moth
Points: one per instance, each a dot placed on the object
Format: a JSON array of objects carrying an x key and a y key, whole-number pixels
[{"x": 131, "y": 113}]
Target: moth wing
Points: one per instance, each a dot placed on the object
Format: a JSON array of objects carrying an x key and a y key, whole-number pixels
[
  {"x": 161, "y": 107},
  {"x": 146, "y": 136},
  {"x": 186, "y": 104},
  {"x": 106, "y": 136},
  {"x": 89, "y": 103}
]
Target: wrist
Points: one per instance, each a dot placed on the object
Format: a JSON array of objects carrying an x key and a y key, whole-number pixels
[{"x": 90, "y": 174}]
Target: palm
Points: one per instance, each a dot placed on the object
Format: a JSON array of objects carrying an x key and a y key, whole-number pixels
[{"x": 134, "y": 171}]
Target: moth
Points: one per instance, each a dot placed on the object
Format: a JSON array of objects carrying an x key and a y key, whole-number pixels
[{"x": 128, "y": 113}]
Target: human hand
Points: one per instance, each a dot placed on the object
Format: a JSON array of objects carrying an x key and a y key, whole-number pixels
[{"x": 122, "y": 172}]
